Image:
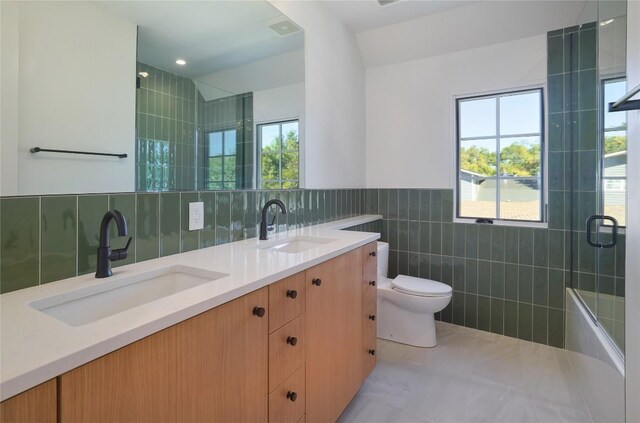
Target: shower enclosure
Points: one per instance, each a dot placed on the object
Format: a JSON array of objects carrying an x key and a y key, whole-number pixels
[{"x": 596, "y": 166}]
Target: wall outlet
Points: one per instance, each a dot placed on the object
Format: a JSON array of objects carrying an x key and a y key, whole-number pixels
[{"x": 196, "y": 216}]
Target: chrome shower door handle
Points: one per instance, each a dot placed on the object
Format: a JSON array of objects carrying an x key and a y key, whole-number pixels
[{"x": 614, "y": 231}]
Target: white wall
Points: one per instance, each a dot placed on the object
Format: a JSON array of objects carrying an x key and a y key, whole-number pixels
[
  {"x": 334, "y": 98},
  {"x": 66, "y": 101},
  {"x": 632, "y": 317},
  {"x": 410, "y": 108}
]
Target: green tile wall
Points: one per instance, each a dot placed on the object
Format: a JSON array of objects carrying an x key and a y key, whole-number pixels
[{"x": 43, "y": 239}]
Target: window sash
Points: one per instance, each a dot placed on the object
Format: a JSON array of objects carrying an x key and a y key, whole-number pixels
[
  {"x": 498, "y": 137},
  {"x": 280, "y": 151}
]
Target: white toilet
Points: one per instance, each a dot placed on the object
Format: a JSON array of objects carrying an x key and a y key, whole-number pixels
[{"x": 406, "y": 305}]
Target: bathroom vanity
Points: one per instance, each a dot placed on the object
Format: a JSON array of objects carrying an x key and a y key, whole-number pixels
[{"x": 291, "y": 349}]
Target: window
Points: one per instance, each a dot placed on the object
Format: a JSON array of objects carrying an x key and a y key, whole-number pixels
[
  {"x": 221, "y": 159},
  {"x": 614, "y": 153},
  {"x": 278, "y": 155},
  {"x": 500, "y": 156}
]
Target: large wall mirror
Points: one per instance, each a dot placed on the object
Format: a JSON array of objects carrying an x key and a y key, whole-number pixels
[{"x": 199, "y": 95}]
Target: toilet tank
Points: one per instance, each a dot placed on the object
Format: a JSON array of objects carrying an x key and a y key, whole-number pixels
[{"x": 383, "y": 259}]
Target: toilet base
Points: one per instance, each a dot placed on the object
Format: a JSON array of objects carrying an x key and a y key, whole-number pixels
[{"x": 406, "y": 327}]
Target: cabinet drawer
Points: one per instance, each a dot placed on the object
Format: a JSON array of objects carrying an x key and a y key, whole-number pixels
[
  {"x": 303, "y": 419},
  {"x": 286, "y": 300},
  {"x": 287, "y": 401},
  {"x": 369, "y": 340},
  {"x": 286, "y": 351}
]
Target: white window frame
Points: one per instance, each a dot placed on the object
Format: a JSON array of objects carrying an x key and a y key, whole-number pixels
[
  {"x": 545, "y": 152},
  {"x": 208, "y": 181},
  {"x": 258, "y": 143}
]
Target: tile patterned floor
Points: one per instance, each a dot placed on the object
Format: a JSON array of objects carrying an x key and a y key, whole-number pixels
[{"x": 471, "y": 376}]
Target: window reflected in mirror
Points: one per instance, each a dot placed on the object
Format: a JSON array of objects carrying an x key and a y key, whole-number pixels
[
  {"x": 614, "y": 153},
  {"x": 279, "y": 151}
]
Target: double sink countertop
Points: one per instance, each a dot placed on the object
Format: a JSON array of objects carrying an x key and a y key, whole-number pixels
[{"x": 35, "y": 346}]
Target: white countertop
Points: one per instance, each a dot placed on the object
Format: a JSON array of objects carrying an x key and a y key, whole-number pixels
[{"x": 35, "y": 347}]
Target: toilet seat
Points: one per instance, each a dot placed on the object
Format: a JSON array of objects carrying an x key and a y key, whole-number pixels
[{"x": 420, "y": 287}]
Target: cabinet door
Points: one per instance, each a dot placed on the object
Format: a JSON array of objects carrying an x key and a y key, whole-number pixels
[
  {"x": 222, "y": 363},
  {"x": 37, "y": 405},
  {"x": 133, "y": 384},
  {"x": 334, "y": 336}
]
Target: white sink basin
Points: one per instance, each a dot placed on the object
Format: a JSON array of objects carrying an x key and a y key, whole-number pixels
[
  {"x": 296, "y": 244},
  {"x": 86, "y": 305}
]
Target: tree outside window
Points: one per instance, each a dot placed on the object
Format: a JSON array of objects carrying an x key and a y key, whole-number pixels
[{"x": 279, "y": 155}]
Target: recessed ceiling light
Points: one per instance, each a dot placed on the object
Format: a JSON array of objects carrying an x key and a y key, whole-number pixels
[
  {"x": 143, "y": 74},
  {"x": 607, "y": 22},
  {"x": 181, "y": 62}
]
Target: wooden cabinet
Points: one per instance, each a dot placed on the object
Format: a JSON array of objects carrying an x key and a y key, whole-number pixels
[
  {"x": 369, "y": 308},
  {"x": 286, "y": 351},
  {"x": 37, "y": 405},
  {"x": 212, "y": 367},
  {"x": 286, "y": 300},
  {"x": 287, "y": 401},
  {"x": 222, "y": 363},
  {"x": 334, "y": 335}
]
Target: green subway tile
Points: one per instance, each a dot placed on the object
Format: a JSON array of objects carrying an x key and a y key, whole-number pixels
[
  {"x": 497, "y": 280},
  {"x": 556, "y": 249},
  {"x": 436, "y": 238},
  {"x": 556, "y": 210},
  {"x": 125, "y": 204},
  {"x": 484, "y": 278},
  {"x": 556, "y": 171},
  {"x": 414, "y": 204},
  {"x": 425, "y": 205},
  {"x": 471, "y": 241},
  {"x": 587, "y": 130},
  {"x": 91, "y": 209},
  {"x": 383, "y": 202},
  {"x": 511, "y": 281},
  {"x": 393, "y": 203},
  {"x": 484, "y": 313},
  {"x": 555, "y": 327},
  {"x": 459, "y": 242},
  {"x": 147, "y": 227},
  {"x": 540, "y": 325},
  {"x": 541, "y": 247},
  {"x": 447, "y": 206},
  {"x": 555, "y": 58},
  {"x": 541, "y": 286},
  {"x": 555, "y": 93},
  {"x": 447, "y": 314},
  {"x": 570, "y": 93},
  {"x": 571, "y": 50},
  {"x": 208, "y": 232},
  {"x": 587, "y": 89},
  {"x": 436, "y": 206},
  {"x": 447, "y": 270},
  {"x": 471, "y": 310},
  {"x": 237, "y": 214},
  {"x": 223, "y": 217},
  {"x": 556, "y": 132},
  {"x": 414, "y": 265},
  {"x": 587, "y": 282},
  {"x": 588, "y": 163},
  {"x": 607, "y": 256},
  {"x": 403, "y": 204},
  {"x": 471, "y": 276},
  {"x": 556, "y": 288},
  {"x": 606, "y": 285},
  {"x": 424, "y": 266},
  {"x": 436, "y": 268},
  {"x": 169, "y": 223},
  {"x": 525, "y": 246},
  {"x": 511, "y": 244},
  {"x": 511, "y": 319},
  {"x": 20, "y": 237},
  {"x": 403, "y": 262},
  {"x": 403, "y": 235},
  {"x": 392, "y": 227},
  {"x": 458, "y": 274},
  {"x": 525, "y": 284},
  {"x": 414, "y": 236},
  {"x": 458, "y": 308},
  {"x": 621, "y": 251},
  {"x": 497, "y": 316},
  {"x": 484, "y": 241},
  {"x": 447, "y": 239},
  {"x": 372, "y": 201},
  {"x": 497, "y": 243},
  {"x": 58, "y": 249},
  {"x": 525, "y": 321}
]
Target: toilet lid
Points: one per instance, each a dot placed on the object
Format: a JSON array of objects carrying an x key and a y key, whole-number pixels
[{"x": 420, "y": 287}]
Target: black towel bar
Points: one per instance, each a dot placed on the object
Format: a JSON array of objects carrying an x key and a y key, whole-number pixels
[{"x": 48, "y": 150}]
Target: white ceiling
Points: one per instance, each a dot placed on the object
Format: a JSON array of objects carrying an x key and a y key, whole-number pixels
[
  {"x": 208, "y": 35},
  {"x": 362, "y": 15}
]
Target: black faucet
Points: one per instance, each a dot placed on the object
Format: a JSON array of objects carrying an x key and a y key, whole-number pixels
[
  {"x": 264, "y": 228},
  {"x": 105, "y": 254}
]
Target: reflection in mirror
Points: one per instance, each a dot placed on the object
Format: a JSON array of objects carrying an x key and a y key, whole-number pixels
[{"x": 177, "y": 86}]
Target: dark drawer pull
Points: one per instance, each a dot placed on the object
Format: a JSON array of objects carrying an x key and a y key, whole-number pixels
[
  {"x": 292, "y": 293},
  {"x": 372, "y": 317},
  {"x": 372, "y": 283},
  {"x": 292, "y": 340},
  {"x": 259, "y": 311},
  {"x": 372, "y": 254},
  {"x": 372, "y": 352},
  {"x": 292, "y": 396},
  {"x": 316, "y": 282}
]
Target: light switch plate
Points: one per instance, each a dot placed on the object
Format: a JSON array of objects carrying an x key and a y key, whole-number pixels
[{"x": 196, "y": 216}]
